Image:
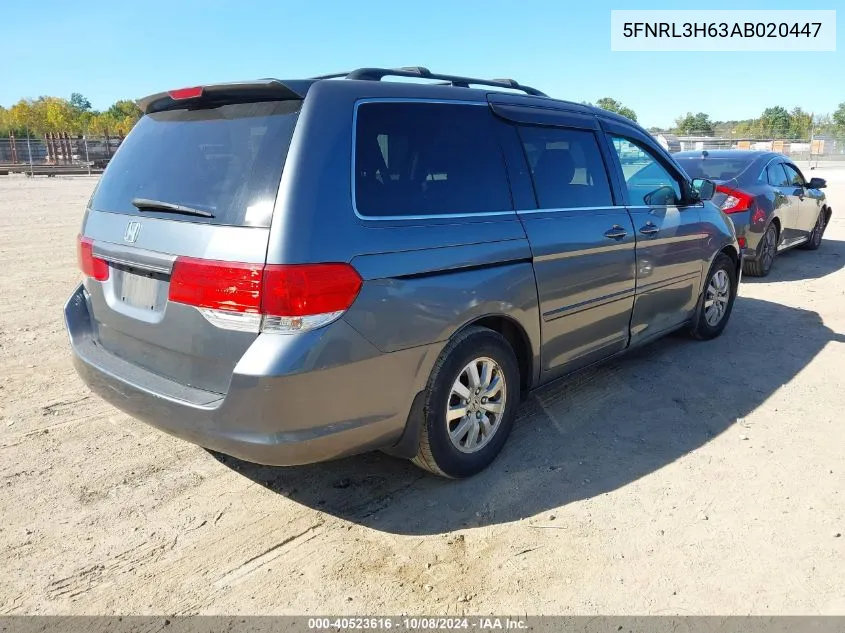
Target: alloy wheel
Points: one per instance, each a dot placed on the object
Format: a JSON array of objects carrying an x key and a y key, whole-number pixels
[
  {"x": 717, "y": 297},
  {"x": 476, "y": 405}
]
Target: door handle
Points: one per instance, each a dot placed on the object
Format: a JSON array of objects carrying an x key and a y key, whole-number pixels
[
  {"x": 616, "y": 233},
  {"x": 650, "y": 229}
]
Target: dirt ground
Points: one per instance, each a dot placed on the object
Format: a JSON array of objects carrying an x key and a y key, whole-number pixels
[{"x": 686, "y": 478}]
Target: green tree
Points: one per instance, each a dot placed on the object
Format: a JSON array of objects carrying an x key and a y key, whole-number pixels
[
  {"x": 697, "y": 124},
  {"x": 124, "y": 115},
  {"x": 55, "y": 115},
  {"x": 800, "y": 124},
  {"x": 606, "y": 103},
  {"x": 24, "y": 116},
  {"x": 839, "y": 118},
  {"x": 79, "y": 103},
  {"x": 775, "y": 121}
]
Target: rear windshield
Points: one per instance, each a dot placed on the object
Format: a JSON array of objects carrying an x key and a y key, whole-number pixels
[
  {"x": 225, "y": 161},
  {"x": 713, "y": 168}
]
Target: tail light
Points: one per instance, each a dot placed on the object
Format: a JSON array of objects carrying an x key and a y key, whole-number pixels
[
  {"x": 742, "y": 242},
  {"x": 193, "y": 92},
  {"x": 265, "y": 298},
  {"x": 736, "y": 200},
  {"x": 90, "y": 265}
]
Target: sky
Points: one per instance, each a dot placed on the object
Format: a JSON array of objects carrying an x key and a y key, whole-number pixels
[{"x": 117, "y": 50}]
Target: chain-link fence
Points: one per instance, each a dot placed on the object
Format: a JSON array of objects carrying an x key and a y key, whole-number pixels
[
  {"x": 814, "y": 149},
  {"x": 52, "y": 154}
]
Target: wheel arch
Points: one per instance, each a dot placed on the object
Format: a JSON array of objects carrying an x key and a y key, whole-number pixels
[{"x": 517, "y": 336}]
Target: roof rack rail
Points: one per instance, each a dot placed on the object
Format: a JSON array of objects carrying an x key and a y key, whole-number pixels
[{"x": 376, "y": 74}]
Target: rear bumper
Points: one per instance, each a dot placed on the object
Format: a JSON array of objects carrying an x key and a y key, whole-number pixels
[{"x": 291, "y": 400}]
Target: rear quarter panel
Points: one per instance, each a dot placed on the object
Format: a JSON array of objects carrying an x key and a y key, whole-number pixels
[{"x": 424, "y": 279}]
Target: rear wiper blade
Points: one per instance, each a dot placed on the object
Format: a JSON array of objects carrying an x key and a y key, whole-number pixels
[{"x": 144, "y": 204}]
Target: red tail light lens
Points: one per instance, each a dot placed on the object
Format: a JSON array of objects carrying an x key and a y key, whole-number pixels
[
  {"x": 216, "y": 285},
  {"x": 90, "y": 266},
  {"x": 742, "y": 242},
  {"x": 186, "y": 93},
  {"x": 253, "y": 297},
  {"x": 736, "y": 200},
  {"x": 308, "y": 289}
]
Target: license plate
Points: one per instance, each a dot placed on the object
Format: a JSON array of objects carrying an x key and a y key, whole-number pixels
[{"x": 139, "y": 291}]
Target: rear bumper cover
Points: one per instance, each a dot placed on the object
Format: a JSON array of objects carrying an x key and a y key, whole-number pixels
[{"x": 326, "y": 395}]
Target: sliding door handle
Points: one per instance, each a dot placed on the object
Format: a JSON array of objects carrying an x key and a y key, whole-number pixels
[{"x": 616, "y": 232}]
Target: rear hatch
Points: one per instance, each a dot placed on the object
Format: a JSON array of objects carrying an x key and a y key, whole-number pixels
[{"x": 179, "y": 225}]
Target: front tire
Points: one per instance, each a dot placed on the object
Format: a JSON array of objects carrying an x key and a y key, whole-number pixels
[
  {"x": 766, "y": 252},
  {"x": 470, "y": 404},
  {"x": 717, "y": 299}
]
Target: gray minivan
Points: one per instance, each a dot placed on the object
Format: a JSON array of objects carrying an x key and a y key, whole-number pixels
[{"x": 292, "y": 271}]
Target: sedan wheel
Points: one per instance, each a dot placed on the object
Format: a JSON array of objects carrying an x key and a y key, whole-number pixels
[
  {"x": 766, "y": 252},
  {"x": 818, "y": 231},
  {"x": 769, "y": 248}
]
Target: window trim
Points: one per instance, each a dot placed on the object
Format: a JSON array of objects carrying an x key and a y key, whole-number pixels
[
  {"x": 673, "y": 173},
  {"x": 596, "y": 133},
  {"x": 427, "y": 216},
  {"x": 780, "y": 164},
  {"x": 797, "y": 171}
]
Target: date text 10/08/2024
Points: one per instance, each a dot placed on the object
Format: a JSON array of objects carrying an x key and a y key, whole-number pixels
[{"x": 417, "y": 624}]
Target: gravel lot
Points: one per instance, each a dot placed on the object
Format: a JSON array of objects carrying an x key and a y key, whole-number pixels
[{"x": 686, "y": 478}]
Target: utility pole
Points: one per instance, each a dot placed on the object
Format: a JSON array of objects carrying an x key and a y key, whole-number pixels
[
  {"x": 812, "y": 138},
  {"x": 29, "y": 151}
]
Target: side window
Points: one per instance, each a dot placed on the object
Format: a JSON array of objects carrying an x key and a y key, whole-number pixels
[
  {"x": 427, "y": 159},
  {"x": 649, "y": 183},
  {"x": 567, "y": 168},
  {"x": 794, "y": 176},
  {"x": 776, "y": 175}
]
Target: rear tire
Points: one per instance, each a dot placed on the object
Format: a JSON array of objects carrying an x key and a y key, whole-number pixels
[
  {"x": 766, "y": 253},
  {"x": 455, "y": 445},
  {"x": 717, "y": 299},
  {"x": 815, "y": 237}
]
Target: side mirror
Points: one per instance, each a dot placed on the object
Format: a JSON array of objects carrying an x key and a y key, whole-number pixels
[
  {"x": 704, "y": 188},
  {"x": 817, "y": 183},
  {"x": 663, "y": 196}
]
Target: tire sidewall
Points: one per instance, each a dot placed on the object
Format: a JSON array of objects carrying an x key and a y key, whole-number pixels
[
  {"x": 771, "y": 235},
  {"x": 818, "y": 231},
  {"x": 722, "y": 262},
  {"x": 449, "y": 459}
]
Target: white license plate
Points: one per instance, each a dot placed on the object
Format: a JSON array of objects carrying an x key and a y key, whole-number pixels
[{"x": 139, "y": 291}]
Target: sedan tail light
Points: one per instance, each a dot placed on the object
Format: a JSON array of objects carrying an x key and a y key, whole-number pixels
[
  {"x": 285, "y": 298},
  {"x": 736, "y": 200}
]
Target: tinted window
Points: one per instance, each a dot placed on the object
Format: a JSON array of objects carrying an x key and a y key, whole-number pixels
[
  {"x": 428, "y": 159},
  {"x": 567, "y": 168},
  {"x": 648, "y": 181},
  {"x": 713, "y": 168},
  {"x": 226, "y": 160},
  {"x": 794, "y": 176},
  {"x": 777, "y": 178}
]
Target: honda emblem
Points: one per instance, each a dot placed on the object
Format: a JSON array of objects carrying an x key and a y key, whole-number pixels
[{"x": 131, "y": 233}]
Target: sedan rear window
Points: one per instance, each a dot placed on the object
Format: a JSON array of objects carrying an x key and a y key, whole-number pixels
[
  {"x": 225, "y": 163},
  {"x": 714, "y": 168}
]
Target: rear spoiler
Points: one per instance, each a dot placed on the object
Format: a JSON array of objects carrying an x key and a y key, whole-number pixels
[{"x": 242, "y": 91}]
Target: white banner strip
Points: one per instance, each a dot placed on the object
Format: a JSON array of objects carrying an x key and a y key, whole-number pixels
[{"x": 710, "y": 30}]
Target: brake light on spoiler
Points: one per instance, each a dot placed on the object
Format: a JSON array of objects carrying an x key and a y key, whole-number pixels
[
  {"x": 286, "y": 298},
  {"x": 185, "y": 93}
]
